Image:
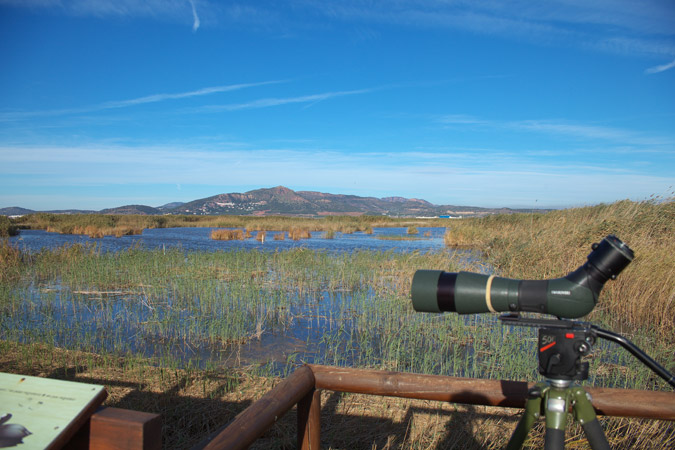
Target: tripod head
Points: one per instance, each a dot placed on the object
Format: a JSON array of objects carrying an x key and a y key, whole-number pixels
[{"x": 562, "y": 344}]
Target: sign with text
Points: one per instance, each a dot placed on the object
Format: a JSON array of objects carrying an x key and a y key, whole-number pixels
[{"x": 40, "y": 413}]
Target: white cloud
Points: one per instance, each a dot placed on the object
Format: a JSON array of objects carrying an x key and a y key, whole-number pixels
[{"x": 661, "y": 68}]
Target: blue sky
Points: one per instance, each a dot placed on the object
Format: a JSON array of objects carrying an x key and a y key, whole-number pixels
[{"x": 485, "y": 103}]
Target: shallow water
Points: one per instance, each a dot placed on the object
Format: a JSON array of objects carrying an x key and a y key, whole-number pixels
[
  {"x": 198, "y": 239},
  {"x": 102, "y": 321}
]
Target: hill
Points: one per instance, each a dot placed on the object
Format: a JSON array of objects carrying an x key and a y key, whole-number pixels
[
  {"x": 15, "y": 211},
  {"x": 140, "y": 210},
  {"x": 281, "y": 200}
]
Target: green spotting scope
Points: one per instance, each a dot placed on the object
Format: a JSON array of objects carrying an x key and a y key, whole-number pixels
[{"x": 569, "y": 297}]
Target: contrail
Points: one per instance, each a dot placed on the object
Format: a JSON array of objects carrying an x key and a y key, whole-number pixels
[
  {"x": 22, "y": 115},
  {"x": 195, "y": 24}
]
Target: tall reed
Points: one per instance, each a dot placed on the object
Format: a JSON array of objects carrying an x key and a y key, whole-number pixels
[{"x": 551, "y": 245}]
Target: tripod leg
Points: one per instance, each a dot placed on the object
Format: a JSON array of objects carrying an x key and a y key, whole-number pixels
[
  {"x": 585, "y": 415},
  {"x": 530, "y": 415},
  {"x": 556, "y": 407}
]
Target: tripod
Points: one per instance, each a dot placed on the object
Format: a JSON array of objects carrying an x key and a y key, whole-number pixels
[{"x": 562, "y": 343}]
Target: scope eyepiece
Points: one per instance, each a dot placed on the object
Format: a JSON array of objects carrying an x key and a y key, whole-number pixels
[
  {"x": 610, "y": 257},
  {"x": 572, "y": 296}
]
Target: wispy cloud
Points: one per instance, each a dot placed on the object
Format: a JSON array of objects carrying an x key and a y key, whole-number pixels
[
  {"x": 561, "y": 128},
  {"x": 269, "y": 102},
  {"x": 22, "y": 115},
  {"x": 195, "y": 17},
  {"x": 661, "y": 68},
  {"x": 620, "y": 26},
  {"x": 197, "y": 93},
  {"x": 462, "y": 119}
]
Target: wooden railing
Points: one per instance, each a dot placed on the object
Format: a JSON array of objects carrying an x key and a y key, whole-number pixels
[{"x": 304, "y": 385}]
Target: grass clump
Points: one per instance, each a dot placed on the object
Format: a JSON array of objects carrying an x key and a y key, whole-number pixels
[
  {"x": 227, "y": 235},
  {"x": 299, "y": 233},
  {"x": 10, "y": 261},
  {"x": 8, "y": 227}
]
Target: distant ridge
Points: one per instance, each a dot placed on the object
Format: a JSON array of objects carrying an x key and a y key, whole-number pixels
[
  {"x": 281, "y": 200},
  {"x": 15, "y": 211},
  {"x": 141, "y": 210}
]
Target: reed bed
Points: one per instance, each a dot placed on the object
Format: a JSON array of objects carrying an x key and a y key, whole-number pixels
[
  {"x": 227, "y": 235},
  {"x": 538, "y": 246},
  {"x": 67, "y": 223},
  {"x": 8, "y": 227},
  {"x": 299, "y": 233}
]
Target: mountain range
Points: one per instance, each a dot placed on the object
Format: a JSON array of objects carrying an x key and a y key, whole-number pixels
[{"x": 283, "y": 201}]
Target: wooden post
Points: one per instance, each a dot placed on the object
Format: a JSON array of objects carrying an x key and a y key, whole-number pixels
[
  {"x": 118, "y": 429},
  {"x": 309, "y": 421},
  {"x": 114, "y": 428},
  {"x": 257, "y": 418}
]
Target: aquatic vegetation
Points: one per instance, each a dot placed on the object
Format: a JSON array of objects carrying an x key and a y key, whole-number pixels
[
  {"x": 227, "y": 235},
  {"x": 72, "y": 223},
  {"x": 278, "y": 309}
]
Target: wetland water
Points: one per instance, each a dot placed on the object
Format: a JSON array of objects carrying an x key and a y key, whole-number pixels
[
  {"x": 243, "y": 306},
  {"x": 180, "y": 298},
  {"x": 198, "y": 239}
]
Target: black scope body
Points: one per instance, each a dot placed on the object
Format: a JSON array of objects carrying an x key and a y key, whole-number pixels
[{"x": 572, "y": 296}]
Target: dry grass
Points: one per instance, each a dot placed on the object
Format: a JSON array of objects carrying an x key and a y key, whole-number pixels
[
  {"x": 194, "y": 404},
  {"x": 66, "y": 223},
  {"x": 94, "y": 231},
  {"x": 10, "y": 261},
  {"x": 227, "y": 235},
  {"x": 551, "y": 245},
  {"x": 299, "y": 233}
]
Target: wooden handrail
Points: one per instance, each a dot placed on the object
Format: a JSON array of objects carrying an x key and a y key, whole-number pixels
[
  {"x": 606, "y": 401},
  {"x": 257, "y": 418},
  {"x": 303, "y": 387}
]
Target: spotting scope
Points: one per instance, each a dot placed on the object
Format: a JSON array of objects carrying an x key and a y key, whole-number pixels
[{"x": 569, "y": 297}]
